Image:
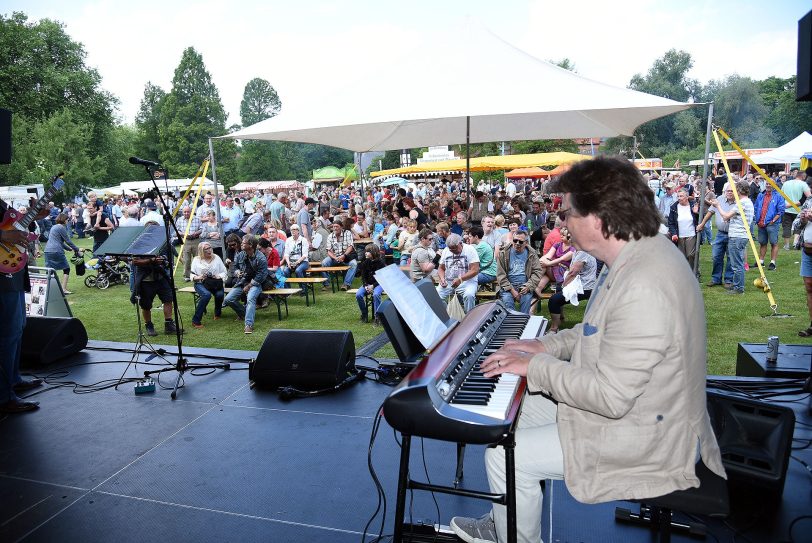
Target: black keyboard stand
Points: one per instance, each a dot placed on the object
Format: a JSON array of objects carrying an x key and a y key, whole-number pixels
[{"x": 405, "y": 483}]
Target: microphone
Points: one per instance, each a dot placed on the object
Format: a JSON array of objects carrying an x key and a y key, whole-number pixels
[{"x": 142, "y": 162}]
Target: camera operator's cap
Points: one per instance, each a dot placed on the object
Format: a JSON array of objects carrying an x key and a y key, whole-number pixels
[{"x": 150, "y": 204}]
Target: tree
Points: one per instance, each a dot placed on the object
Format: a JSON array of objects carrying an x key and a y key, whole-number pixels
[
  {"x": 259, "y": 102},
  {"x": 43, "y": 75},
  {"x": 147, "y": 122},
  {"x": 739, "y": 109},
  {"x": 668, "y": 77},
  {"x": 189, "y": 115},
  {"x": 786, "y": 117}
]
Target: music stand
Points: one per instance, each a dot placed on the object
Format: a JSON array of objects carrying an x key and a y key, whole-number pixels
[{"x": 142, "y": 243}]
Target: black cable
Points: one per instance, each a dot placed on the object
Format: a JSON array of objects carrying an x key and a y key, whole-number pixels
[
  {"x": 170, "y": 353},
  {"x": 701, "y": 521},
  {"x": 428, "y": 480},
  {"x": 804, "y": 464},
  {"x": 381, "y": 505}
]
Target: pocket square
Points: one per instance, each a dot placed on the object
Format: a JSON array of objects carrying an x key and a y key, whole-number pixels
[{"x": 589, "y": 329}]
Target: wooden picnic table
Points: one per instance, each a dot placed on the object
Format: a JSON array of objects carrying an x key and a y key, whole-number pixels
[
  {"x": 309, "y": 284},
  {"x": 334, "y": 273}
]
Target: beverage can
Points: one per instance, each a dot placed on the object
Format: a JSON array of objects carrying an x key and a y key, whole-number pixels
[{"x": 772, "y": 349}]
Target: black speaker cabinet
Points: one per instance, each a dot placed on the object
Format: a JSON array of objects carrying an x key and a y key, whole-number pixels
[
  {"x": 755, "y": 439},
  {"x": 5, "y": 136},
  {"x": 48, "y": 339},
  {"x": 803, "y": 92},
  {"x": 306, "y": 359}
]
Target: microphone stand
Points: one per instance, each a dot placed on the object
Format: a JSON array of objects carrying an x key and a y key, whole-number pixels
[{"x": 181, "y": 365}]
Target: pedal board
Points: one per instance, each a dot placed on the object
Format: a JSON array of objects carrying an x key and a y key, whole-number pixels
[{"x": 144, "y": 386}]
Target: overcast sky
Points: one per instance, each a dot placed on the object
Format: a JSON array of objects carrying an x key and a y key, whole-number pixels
[{"x": 298, "y": 46}]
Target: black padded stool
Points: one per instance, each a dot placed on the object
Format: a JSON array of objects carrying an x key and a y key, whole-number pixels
[{"x": 709, "y": 499}]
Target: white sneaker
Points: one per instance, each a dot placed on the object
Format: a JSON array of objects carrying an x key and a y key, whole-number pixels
[{"x": 471, "y": 530}]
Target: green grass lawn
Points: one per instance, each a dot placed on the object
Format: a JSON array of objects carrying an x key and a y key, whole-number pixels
[{"x": 108, "y": 314}]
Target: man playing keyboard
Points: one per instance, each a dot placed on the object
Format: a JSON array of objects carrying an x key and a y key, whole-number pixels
[{"x": 617, "y": 404}]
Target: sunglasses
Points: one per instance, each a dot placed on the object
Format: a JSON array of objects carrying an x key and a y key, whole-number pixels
[
  {"x": 562, "y": 213},
  {"x": 519, "y": 241}
]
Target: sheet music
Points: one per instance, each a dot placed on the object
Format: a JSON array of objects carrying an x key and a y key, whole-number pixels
[{"x": 412, "y": 306}]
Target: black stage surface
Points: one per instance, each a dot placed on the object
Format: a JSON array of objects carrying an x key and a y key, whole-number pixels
[{"x": 225, "y": 462}]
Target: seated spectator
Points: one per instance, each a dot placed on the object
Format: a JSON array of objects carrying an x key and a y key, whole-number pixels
[
  {"x": 372, "y": 262},
  {"x": 556, "y": 262},
  {"x": 583, "y": 265},
  {"x": 296, "y": 254},
  {"x": 487, "y": 261},
  {"x": 250, "y": 276},
  {"x": 518, "y": 273},
  {"x": 424, "y": 257},
  {"x": 232, "y": 248},
  {"x": 271, "y": 254},
  {"x": 208, "y": 274},
  {"x": 459, "y": 267},
  {"x": 340, "y": 252}
]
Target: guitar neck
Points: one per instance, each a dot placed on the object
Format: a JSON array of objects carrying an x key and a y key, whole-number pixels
[{"x": 37, "y": 207}]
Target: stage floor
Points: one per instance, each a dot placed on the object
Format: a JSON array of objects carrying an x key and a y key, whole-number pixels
[{"x": 225, "y": 462}]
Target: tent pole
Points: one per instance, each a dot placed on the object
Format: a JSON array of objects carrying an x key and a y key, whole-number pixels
[
  {"x": 467, "y": 152},
  {"x": 216, "y": 196},
  {"x": 703, "y": 206}
]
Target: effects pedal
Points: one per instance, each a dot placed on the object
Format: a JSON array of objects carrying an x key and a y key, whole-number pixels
[{"x": 144, "y": 386}]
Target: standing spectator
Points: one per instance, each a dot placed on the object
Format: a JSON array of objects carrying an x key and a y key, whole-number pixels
[
  {"x": 371, "y": 263},
  {"x": 318, "y": 245},
  {"x": 796, "y": 188},
  {"x": 803, "y": 228},
  {"x": 518, "y": 273},
  {"x": 682, "y": 225},
  {"x": 101, "y": 225},
  {"x": 190, "y": 246},
  {"x": 459, "y": 267},
  {"x": 737, "y": 232},
  {"x": 151, "y": 214},
  {"x": 130, "y": 217},
  {"x": 304, "y": 218},
  {"x": 210, "y": 231},
  {"x": 722, "y": 273},
  {"x": 205, "y": 207},
  {"x": 231, "y": 216},
  {"x": 208, "y": 273},
  {"x": 768, "y": 211},
  {"x": 58, "y": 241},
  {"x": 667, "y": 199},
  {"x": 81, "y": 220}
]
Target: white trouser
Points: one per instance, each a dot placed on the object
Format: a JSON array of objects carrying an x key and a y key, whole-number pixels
[{"x": 538, "y": 457}]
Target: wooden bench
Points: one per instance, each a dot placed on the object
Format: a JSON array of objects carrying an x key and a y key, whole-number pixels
[
  {"x": 309, "y": 285},
  {"x": 494, "y": 295},
  {"x": 279, "y": 296}
]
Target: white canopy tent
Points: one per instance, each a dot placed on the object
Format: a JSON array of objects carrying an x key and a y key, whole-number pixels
[
  {"x": 433, "y": 104},
  {"x": 168, "y": 184},
  {"x": 789, "y": 153}
]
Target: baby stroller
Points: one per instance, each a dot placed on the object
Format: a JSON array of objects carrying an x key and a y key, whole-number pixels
[{"x": 109, "y": 271}]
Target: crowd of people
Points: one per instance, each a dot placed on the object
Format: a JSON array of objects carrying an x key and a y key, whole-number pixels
[{"x": 505, "y": 238}]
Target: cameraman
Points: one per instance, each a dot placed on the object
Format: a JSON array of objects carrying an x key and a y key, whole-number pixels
[
  {"x": 251, "y": 272},
  {"x": 192, "y": 239}
]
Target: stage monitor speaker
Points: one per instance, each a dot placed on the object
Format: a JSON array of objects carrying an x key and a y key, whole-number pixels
[
  {"x": 755, "y": 439},
  {"x": 803, "y": 92},
  {"x": 48, "y": 339},
  {"x": 305, "y": 359},
  {"x": 5, "y": 136}
]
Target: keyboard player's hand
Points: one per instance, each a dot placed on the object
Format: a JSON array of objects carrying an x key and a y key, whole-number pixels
[
  {"x": 504, "y": 361},
  {"x": 529, "y": 346}
]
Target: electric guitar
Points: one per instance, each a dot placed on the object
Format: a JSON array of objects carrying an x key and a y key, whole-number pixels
[{"x": 13, "y": 258}]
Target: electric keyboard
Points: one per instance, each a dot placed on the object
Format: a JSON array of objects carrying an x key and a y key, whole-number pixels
[{"x": 446, "y": 396}]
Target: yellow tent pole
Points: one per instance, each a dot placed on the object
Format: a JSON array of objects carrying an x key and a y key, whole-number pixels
[
  {"x": 765, "y": 284},
  {"x": 758, "y": 169},
  {"x": 199, "y": 180}
]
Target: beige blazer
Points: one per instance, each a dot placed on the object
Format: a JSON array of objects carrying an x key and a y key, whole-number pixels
[{"x": 630, "y": 380}]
